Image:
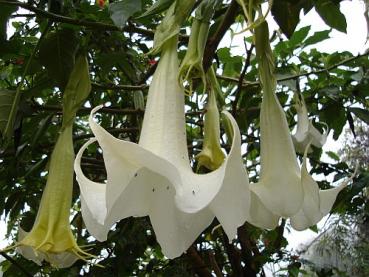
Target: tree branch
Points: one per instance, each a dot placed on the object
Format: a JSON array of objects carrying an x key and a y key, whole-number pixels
[
  {"x": 214, "y": 264},
  {"x": 292, "y": 77},
  {"x": 200, "y": 267},
  {"x": 242, "y": 76},
  {"x": 111, "y": 131},
  {"x": 213, "y": 42},
  {"x": 113, "y": 110},
  {"x": 118, "y": 87},
  {"x": 89, "y": 24},
  {"x": 14, "y": 262}
]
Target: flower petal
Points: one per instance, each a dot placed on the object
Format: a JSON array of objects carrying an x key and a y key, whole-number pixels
[
  {"x": 306, "y": 132},
  {"x": 231, "y": 200},
  {"x": 317, "y": 203},
  {"x": 309, "y": 213},
  {"x": 93, "y": 199},
  {"x": 27, "y": 251},
  {"x": 59, "y": 260},
  {"x": 260, "y": 216},
  {"x": 147, "y": 193}
]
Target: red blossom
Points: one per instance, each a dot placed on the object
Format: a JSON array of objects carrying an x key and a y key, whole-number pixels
[
  {"x": 19, "y": 61},
  {"x": 152, "y": 62},
  {"x": 101, "y": 3}
]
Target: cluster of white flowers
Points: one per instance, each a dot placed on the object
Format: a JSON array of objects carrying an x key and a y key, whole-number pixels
[{"x": 154, "y": 177}]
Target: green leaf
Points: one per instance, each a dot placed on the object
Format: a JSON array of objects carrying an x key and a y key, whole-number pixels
[
  {"x": 57, "y": 54},
  {"x": 298, "y": 36},
  {"x": 361, "y": 113},
  {"x": 331, "y": 14},
  {"x": 280, "y": 10},
  {"x": 314, "y": 228},
  {"x": 317, "y": 37},
  {"x": 5, "y": 12},
  {"x": 333, "y": 156},
  {"x": 121, "y": 11},
  {"x": 6, "y": 101},
  {"x": 334, "y": 114},
  {"x": 158, "y": 7}
]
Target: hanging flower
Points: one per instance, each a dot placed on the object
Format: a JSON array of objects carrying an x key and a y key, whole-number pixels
[
  {"x": 306, "y": 132},
  {"x": 283, "y": 189},
  {"x": 51, "y": 237},
  {"x": 154, "y": 177},
  {"x": 279, "y": 187}
]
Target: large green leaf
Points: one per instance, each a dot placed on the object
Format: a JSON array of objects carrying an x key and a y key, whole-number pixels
[
  {"x": 287, "y": 14},
  {"x": 361, "y": 113},
  {"x": 317, "y": 37},
  {"x": 122, "y": 10},
  {"x": 57, "y": 54},
  {"x": 298, "y": 36},
  {"x": 158, "y": 7},
  {"x": 331, "y": 14},
  {"x": 5, "y": 12},
  {"x": 333, "y": 113},
  {"x": 6, "y": 101}
]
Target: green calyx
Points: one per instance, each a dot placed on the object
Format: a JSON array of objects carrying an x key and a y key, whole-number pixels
[
  {"x": 171, "y": 24},
  {"x": 51, "y": 237},
  {"x": 265, "y": 57},
  {"x": 191, "y": 66},
  {"x": 211, "y": 155}
]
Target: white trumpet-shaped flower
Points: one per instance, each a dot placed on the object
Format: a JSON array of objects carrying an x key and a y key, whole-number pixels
[
  {"x": 154, "y": 177},
  {"x": 283, "y": 189},
  {"x": 306, "y": 132},
  {"x": 279, "y": 187},
  {"x": 317, "y": 203}
]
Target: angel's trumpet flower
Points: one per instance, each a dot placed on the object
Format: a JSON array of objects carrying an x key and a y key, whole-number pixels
[
  {"x": 282, "y": 188},
  {"x": 51, "y": 237},
  {"x": 279, "y": 187},
  {"x": 154, "y": 177},
  {"x": 306, "y": 132}
]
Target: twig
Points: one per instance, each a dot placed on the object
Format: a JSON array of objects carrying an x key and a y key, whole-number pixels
[
  {"x": 84, "y": 110},
  {"x": 305, "y": 74},
  {"x": 200, "y": 266},
  {"x": 89, "y": 24},
  {"x": 118, "y": 87},
  {"x": 111, "y": 131},
  {"x": 214, "y": 264},
  {"x": 242, "y": 76},
  {"x": 130, "y": 28},
  {"x": 233, "y": 256},
  {"x": 14, "y": 262},
  {"x": 213, "y": 42}
]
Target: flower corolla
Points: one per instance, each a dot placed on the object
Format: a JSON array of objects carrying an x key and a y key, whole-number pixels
[{"x": 154, "y": 177}]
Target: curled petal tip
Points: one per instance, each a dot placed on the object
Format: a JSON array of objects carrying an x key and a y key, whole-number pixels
[{"x": 94, "y": 110}]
